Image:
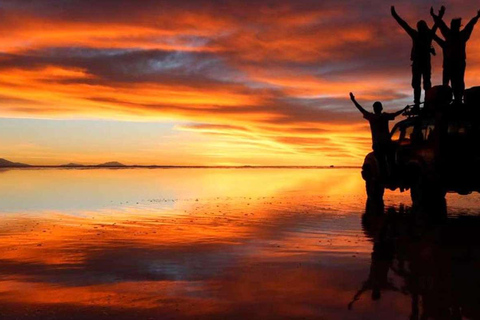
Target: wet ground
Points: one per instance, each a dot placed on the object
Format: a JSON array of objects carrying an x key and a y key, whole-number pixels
[{"x": 230, "y": 244}]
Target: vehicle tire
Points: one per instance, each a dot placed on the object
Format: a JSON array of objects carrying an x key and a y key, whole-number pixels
[
  {"x": 416, "y": 192},
  {"x": 424, "y": 191},
  {"x": 437, "y": 193}
]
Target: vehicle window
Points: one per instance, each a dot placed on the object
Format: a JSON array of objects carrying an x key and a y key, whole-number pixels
[
  {"x": 458, "y": 129},
  {"x": 427, "y": 132},
  {"x": 453, "y": 128},
  {"x": 396, "y": 134},
  {"x": 408, "y": 135}
]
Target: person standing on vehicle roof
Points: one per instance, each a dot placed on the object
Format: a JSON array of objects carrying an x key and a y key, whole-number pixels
[
  {"x": 420, "y": 55},
  {"x": 454, "y": 51},
  {"x": 381, "y": 140}
]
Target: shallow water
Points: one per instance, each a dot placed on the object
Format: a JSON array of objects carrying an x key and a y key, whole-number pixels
[{"x": 230, "y": 244}]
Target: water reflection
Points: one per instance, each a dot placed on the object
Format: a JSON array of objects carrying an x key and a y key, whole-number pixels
[
  {"x": 436, "y": 257},
  {"x": 227, "y": 244},
  {"x": 70, "y": 191}
]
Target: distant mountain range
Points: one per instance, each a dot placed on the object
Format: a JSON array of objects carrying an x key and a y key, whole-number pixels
[
  {"x": 71, "y": 165},
  {"x": 4, "y": 163},
  {"x": 9, "y": 164},
  {"x": 111, "y": 164}
]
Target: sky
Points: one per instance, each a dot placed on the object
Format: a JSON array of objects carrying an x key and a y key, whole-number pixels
[{"x": 198, "y": 82}]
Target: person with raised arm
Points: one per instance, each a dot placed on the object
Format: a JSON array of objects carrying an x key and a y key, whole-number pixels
[
  {"x": 381, "y": 141},
  {"x": 454, "y": 51},
  {"x": 420, "y": 55}
]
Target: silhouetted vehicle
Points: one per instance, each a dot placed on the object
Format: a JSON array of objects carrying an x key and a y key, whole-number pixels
[{"x": 434, "y": 151}]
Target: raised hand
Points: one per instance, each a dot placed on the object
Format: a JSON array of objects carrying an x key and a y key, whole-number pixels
[
  {"x": 352, "y": 96},
  {"x": 392, "y": 10},
  {"x": 441, "y": 12}
]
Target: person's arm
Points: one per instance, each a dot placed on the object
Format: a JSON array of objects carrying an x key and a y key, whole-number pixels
[
  {"x": 441, "y": 12},
  {"x": 359, "y": 107},
  {"x": 438, "y": 40},
  {"x": 467, "y": 31},
  {"x": 440, "y": 23},
  {"x": 399, "y": 112},
  {"x": 402, "y": 23}
]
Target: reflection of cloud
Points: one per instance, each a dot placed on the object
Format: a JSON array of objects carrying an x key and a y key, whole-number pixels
[
  {"x": 254, "y": 238},
  {"x": 140, "y": 260}
]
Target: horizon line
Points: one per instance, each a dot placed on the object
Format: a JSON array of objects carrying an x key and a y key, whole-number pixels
[{"x": 181, "y": 166}]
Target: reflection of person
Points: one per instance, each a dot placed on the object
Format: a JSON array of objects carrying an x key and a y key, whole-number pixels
[
  {"x": 382, "y": 259},
  {"x": 381, "y": 141},
  {"x": 454, "y": 51},
  {"x": 420, "y": 55},
  {"x": 420, "y": 249},
  {"x": 376, "y": 224}
]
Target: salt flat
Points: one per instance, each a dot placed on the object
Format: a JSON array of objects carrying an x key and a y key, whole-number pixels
[{"x": 229, "y": 244}]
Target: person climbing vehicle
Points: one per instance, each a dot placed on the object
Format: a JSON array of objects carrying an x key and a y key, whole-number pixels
[{"x": 381, "y": 141}]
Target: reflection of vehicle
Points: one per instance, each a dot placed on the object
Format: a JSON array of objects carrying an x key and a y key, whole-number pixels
[
  {"x": 433, "y": 151},
  {"x": 436, "y": 260}
]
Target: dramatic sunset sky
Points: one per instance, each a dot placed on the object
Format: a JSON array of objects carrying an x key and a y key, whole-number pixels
[{"x": 196, "y": 82}]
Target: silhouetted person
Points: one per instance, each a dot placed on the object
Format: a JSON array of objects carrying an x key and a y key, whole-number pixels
[
  {"x": 454, "y": 51},
  {"x": 381, "y": 141},
  {"x": 420, "y": 55}
]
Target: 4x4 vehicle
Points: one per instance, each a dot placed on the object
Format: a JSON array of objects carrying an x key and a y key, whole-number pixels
[{"x": 434, "y": 151}]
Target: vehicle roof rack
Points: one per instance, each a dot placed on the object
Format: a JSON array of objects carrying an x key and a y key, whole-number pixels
[{"x": 413, "y": 110}]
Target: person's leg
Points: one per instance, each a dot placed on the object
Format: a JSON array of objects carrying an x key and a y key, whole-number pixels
[
  {"x": 446, "y": 74},
  {"x": 461, "y": 80},
  {"x": 427, "y": 75},
  {"x": 380, "y": 152},
  {"x": 458, "y": 81},
  {"x": 390, "y": 158},
  {"x": 416, "y": 82}
]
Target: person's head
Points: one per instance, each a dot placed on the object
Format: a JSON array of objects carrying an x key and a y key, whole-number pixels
[
  {"x": 422, "y": 26},
  {"x": 455, "y": 24},
  {"x": 377, "y": 107}
]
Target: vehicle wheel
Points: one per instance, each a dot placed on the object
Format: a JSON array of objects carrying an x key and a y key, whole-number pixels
[
  {"x": 423, "y": 191},
  {"x": 437, "y": 192},
  {"x": 416, "y": 192}
]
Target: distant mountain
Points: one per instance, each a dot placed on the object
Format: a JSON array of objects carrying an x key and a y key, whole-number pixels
[
  {"x": 113, "y": 164},
  {"x": 8, "y": 164},
  {"x": 72, "y": 165}
]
